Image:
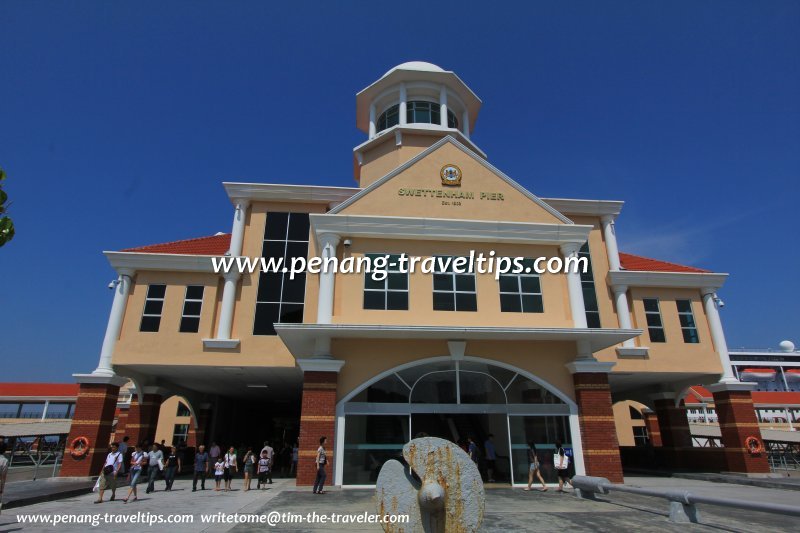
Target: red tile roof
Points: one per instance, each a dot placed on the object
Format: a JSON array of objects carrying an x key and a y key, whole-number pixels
[
  {"x": 39, "y": 389},
  {"x": 637, "y": 262},
  {"x": 211, "y": 245},
  {"x": 759, "y": 397}
]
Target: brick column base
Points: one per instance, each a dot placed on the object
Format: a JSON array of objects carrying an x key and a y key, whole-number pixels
[
  {"x": 673, "y": 424},
  {"x": 598, "y": 430},
  {"x": 317, "y": 417},
  {"x": 653, "y": 430},
  {"x": 142, "y": 419},
  {"x": 94, "y": 416},
  {"x": 737, "y": 421}
]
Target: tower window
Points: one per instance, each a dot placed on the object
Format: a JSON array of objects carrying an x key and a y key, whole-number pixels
[{"x": 417, "y": 111}]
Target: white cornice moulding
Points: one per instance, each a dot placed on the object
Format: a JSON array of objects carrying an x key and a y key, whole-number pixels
[
  {"x": 320, "y": 364},
  {"x": 732, "y": 386},
  {"x": 435, "y": 146},
  {"x": 300, "y": 338},
  {"x": 571, "y": 206},
  {"x": 416, "y": 129},
  {"x": 684, "y": 280},
  {"x": 169, "y": 262},
  {"x": 590, "y": 366},
  {"x": 448, "y": 229},
  {"x": 100, "y": 379},
  {"x": 275, "y": 192},
  {"x": 224, "y": 344},
  {"x": 634, "y": 352}
]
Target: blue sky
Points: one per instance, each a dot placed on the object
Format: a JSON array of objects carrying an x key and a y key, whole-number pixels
[{"x": 119, "y": 121}]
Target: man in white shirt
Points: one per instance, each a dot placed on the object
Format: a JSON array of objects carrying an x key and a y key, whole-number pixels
[
  {"x": 270, "y": 453},
  {"x": 155, "y": 462},
  {"x": 108, "y": 475}
]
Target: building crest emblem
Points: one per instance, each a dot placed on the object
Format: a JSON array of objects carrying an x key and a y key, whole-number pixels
[{"x": 451, "y": 175}]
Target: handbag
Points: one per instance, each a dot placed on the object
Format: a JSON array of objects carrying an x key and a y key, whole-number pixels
[
  {"x": 561, "y": 462},
  {"x": 108, "y": 469}
]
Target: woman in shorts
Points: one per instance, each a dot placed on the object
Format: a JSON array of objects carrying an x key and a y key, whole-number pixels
[
  {"x": 534, "y": 467},
  {"x": 138, "y": 460},
  {"x": 231, "y": 466},
  {"x": 249, "y": 467},
  {"x": 219, "y": 471}
]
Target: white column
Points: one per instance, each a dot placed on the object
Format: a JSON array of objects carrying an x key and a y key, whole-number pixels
[
  {"x": 610, "y": 234},
  {"x": 621, "y": 299},
  {"x": 372, "y": 129},
  {"x": 237, "y": 233},
  {"x": 576, "y": 304},
  {"x": 465, "y": 123},
  {"x": 225, "y": 325},
  {"x": 718, "y": 335},
  {"x": 402, "y": 110},
  {"x": 122, "y": 289},
  {"x": 47, "y": 405},
  {"x": 443, "y": 106},
  {"x": 327, "y": 244},
  {"x": 783, "y": 377}
]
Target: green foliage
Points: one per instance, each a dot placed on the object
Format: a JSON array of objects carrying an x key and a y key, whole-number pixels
[{"x": 6, "y": 225}]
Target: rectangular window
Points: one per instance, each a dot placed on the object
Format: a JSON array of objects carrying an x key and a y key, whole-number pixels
[
  {"x": 192, "y": 305},
  {"x": 655, "y": 327},
  {"x": 640, "y": 437},
  {"x": 60, "y": 410},
  {"x": 451, "y": 291},
  {"x": 521, "y": 293},
  {"x": 180, "y": 434},
  {"x": 9, "y": 410},
  {"x": 390, "y": 293},
  {"x": 280, "y": 299},
  {"x": 31, "y": 410},
  {"x": 589, "y": 292},
  {"x": 688, "y": 326},
  {"x": 153, "y": 306}
]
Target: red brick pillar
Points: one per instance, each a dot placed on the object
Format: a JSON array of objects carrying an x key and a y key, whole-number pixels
[
  {"x": 598, "y": 430},
  {"x": 672, "y": 422},
  {"x": 93, "y": 418},
  {"x": 737, "y": 421},
  {"x": 122, "y": 421},
  {"x": 653, "y": 430},
  {"x": 317, "y": 419},
  {"x": 197, "y": 436},
  {"x": 142, "y": 418}
]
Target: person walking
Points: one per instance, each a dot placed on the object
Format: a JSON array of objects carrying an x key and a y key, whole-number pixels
[
  {"x": 201, "y": 463},
  {"x": 214, "y": 453},
  {"x": 171, "y": 466},
  {"x": 263, "y": 470},
  {"x": 472, "y": 450},
  {"x": 534, "y": 467},
  {"x": 219, "y": 473},
  {"x": 249, "y": 462},
  {"x": 491, "y": 457},
  {"x": 295, "y": 457},
  {"x": 108, "y": 475},
  {"x": 138, "y": 458},
  {"x": 271, "y": 456},
  {"x": 155, "y": 463},
  {"x": 123, "y": 449},
  {"x": 320, "y": 461},
  {"x": 231, "y": 466},
  {"x": 561, "y": 462}
]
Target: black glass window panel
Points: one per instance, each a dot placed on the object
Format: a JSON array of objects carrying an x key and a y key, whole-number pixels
[
  {"x": 656, "y": 335},
  {"x": 274, "y": 249},
  {"x": 509, "y": 284},
  {"x": 291, "y": 313},
  {"x": 150, "y": 323},
  {"x": 466, "y": 302},
  {"x": 194, "y": 292},
  {"x": 298, "y": 227},
  {"x": 156, "y": 291},
  {"x": 295, "y": 249},
  {"x": 530, "y": 284},
  {"x": 444, "y": 301},
  {"x": 532, "y": 303},
  {"x": 510, "y": 303},
  {"x": 374, "y": 300},
  {"x": 190, "y": 324},
  {"x": 192, "y": 308},
  {"x": 398, "y": 281},
  {"x": 276, "y": 226},
  {"x": 397, "y": 300},
  {"x": 465, "y": 282},
  {"x": 269, "y": 287},
  {"x": 651, "y": 305},
  {"x": 294, "y": 290},
  {"x": 153, "y": 307},
  {"x": 266, "y": 315},
  {"x": 442, "y": 282}
]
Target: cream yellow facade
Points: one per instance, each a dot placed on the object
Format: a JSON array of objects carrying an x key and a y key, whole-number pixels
[{"x": 401, "y": 205}]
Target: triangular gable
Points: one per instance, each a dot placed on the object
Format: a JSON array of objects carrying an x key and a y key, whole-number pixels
[{"x": 416, "y": 190}]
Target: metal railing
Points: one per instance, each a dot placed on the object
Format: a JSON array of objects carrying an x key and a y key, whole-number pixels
[{"x": 682, "y": 504}]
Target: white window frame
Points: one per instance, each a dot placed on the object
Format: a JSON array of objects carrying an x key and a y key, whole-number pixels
[
  {"x": 186, "y": 299},
  {"x": 658, "y": 314},
  {"x": 147, "y": 298},
  {"x": 520, "y": 292},
  {"x": 386, "y": 290},
  {"x": 689, "y": 313},
  {"x": 455, "y": 291}
]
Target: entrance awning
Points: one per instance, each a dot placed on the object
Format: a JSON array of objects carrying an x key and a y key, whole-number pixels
[{"x": 301, "y": 338}]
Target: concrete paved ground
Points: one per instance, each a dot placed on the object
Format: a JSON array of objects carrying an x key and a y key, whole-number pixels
[{"x": 506, "y": 509}]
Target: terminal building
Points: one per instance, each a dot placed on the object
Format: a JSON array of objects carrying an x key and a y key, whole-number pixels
[{"x": 370, "y": 364}]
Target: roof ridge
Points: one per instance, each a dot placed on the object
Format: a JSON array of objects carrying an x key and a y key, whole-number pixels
[
  {"x": 662, "y": 261},
  {"x": 179, "y": 241}
]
